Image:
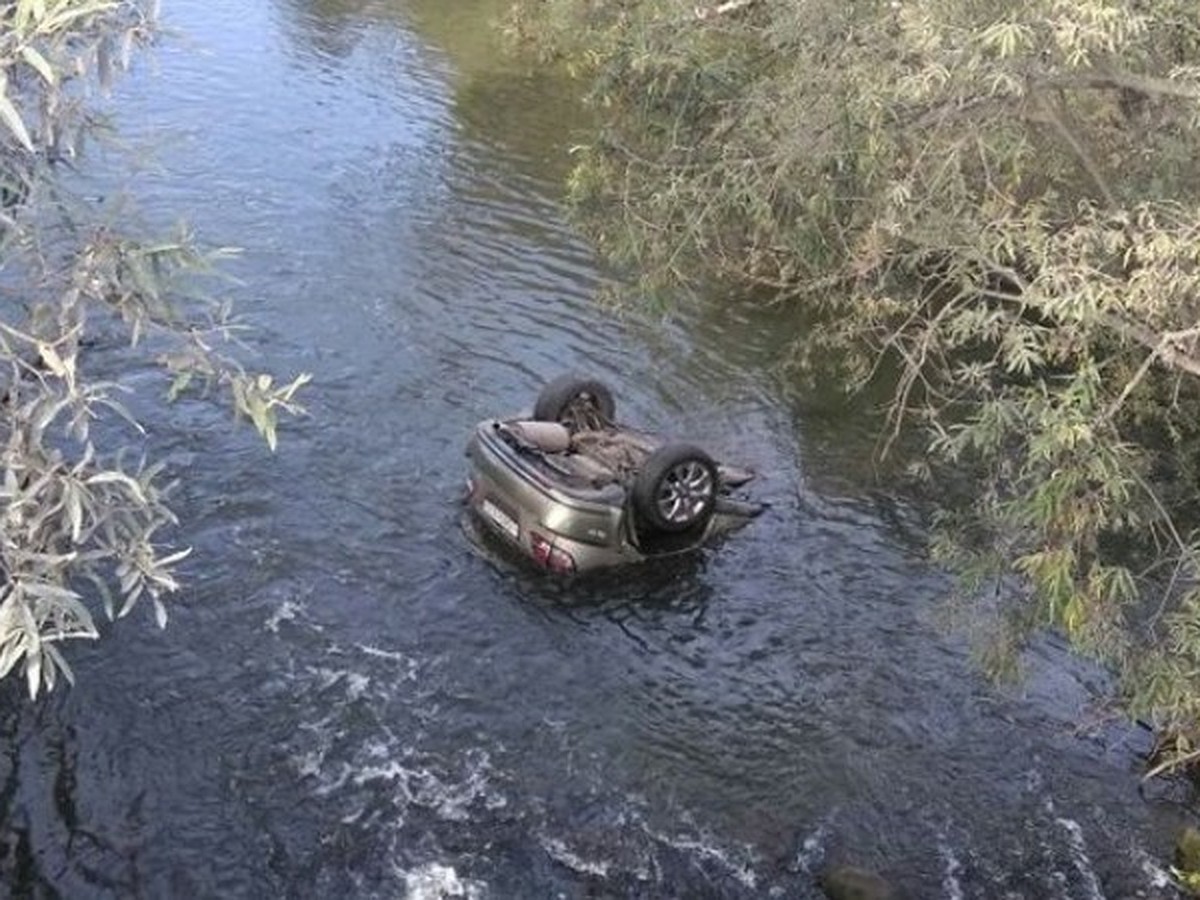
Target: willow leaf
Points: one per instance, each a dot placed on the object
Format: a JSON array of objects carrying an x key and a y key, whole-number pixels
[
  {"x": 60, "y": 663},
  {"x": 60, "y": 20},
  {"x": 112, "y": 476},
  {"x": 33, "y": 671},
  {"x": 13, "y": 121},
  {"x": 38, "y": 62}
]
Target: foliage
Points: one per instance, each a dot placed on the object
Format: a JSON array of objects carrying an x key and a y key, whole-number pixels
[
  {"x": 79, "y": 519},
  {"x": 999, "y": 203}
]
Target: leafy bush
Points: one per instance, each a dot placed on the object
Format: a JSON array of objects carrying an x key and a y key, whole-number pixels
[
  {"x": 79, "y": 524},
  {"x": 998, "y": 202}
]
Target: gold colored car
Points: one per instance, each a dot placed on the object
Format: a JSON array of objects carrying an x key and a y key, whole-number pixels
[{"x": 573, "y": 491}]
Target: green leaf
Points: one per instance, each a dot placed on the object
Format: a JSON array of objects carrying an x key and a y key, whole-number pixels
[
  {"x": 14, "y": 649},
  {"x": 33, "y": 637},
  {"x": 61, "y": 19},
  {"x": 104, "y": 591},
  {"x": 60, "y": 662},
  {"x": 50, "y": 591},
  {"x": 33, "y": 671},
  {"x": 38, "y": 62},
  {"x": 137, "y": 585},
  {"x": 28, "y": 11},
  {"x": 286, "y": 394},
  {"x": 114, "y": 476},
  {"x": 174, "y": 557},
  {"x": 268, "y": 432},
  {"x": 179, "y": 385},
  {"x": 54, "y": 362},
  {"x": 13, "y": 121}
]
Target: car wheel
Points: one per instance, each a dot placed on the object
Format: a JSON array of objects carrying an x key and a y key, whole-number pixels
[
  {"x": 582, "y": 404},
  {"x": 676, "y": 488}
]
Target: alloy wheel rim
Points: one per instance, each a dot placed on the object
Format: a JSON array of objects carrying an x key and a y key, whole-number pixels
[{"x": 685, "y": 492}]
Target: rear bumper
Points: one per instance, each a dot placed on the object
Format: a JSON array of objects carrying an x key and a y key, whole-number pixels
[{"x": 519, "y": 502}]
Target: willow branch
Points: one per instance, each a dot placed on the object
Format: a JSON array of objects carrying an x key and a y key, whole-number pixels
[
  {"x": 1114, "y": 407},
  {"x": 1098, "y": 79},
  {"x": 1057, "y": 121},
  {"x": 722, "y": 9},
  {"x": 1168, "y": 346}
]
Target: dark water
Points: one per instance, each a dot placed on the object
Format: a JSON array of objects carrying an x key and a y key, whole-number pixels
[{"x": 351, "y": 701}]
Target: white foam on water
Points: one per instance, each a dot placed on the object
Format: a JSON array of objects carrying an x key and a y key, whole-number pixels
[
  {"x": 434, "y": 881},
  {"x": 1159, "y": 877},
  {"x": 410, "y": 664},
  {"x": 287, "y": 611},
  {"x": 421, "y": 786},
  {"x": 329, "y": 784},
  {"x": 1079, "y": 856},
  {"x": 452, "y": 800},
  {"x": 950, "y": 883},
  {"x": 742, "y": 871},
  {"x": 451, "y": 787},
  {"x": 356, "y": 682},
  {"x": 561, "y": 853},
  {"x": 308, "y": 764},
  {"x": 812, "y": 850}
]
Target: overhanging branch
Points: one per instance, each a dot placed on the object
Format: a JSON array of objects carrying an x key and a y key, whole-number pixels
[
  {"x": 722, "y": 9},
  {"x": 1098, "y": 79},
  {"x": 1175, "y": 348}
]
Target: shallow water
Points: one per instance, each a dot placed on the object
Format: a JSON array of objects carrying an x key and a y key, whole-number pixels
[{"x": 352, "y": 700}]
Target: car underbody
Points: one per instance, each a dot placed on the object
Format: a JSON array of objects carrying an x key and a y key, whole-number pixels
[{"x": 571, "y": 490}]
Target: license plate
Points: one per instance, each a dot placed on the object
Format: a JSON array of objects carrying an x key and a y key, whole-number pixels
[{"x": 500, "y": 518}]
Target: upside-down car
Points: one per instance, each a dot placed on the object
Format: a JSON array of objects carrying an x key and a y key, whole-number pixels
[{"x": 572, "y": 490}]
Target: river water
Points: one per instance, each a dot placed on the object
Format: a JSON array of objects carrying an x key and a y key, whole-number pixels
[{"x": 352, "y": 701}]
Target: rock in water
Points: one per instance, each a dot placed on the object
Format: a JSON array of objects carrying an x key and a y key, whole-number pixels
[
  {"x": 850, "y": 883},
  {"x": 1187, "y": 849}
]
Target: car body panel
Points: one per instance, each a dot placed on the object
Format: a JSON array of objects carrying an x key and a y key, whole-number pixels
[{"x": 551, "y": 507}]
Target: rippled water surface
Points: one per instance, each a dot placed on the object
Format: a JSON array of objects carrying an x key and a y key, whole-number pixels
[{"x": 352, "y": 701}]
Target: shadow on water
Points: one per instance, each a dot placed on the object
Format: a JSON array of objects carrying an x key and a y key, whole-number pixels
[
  {"x": 524, "y": 111},
  {"x": 49, "y": 845}
]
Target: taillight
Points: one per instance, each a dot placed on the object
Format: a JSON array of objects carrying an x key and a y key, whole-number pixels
[{"x": 548, "y": 556}]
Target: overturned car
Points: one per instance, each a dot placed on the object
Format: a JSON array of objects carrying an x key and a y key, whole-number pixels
[{"x": 574, "y": 491}]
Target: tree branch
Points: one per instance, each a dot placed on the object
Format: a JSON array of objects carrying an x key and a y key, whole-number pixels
[
  {"x": 1098, "y": 79},
  {"x": 1169, "y": 346},
  {"x": 1057, "y": 121},
  {"x": 721, "y": 9}
]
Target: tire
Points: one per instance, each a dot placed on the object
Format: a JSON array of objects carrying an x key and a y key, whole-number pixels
[
  {"x": 676, "y": 488},
  {"x": 582, "y": 404}
]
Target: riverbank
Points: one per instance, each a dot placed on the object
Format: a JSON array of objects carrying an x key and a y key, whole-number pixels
[{"x": 927, "y": 189}]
